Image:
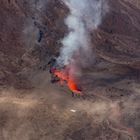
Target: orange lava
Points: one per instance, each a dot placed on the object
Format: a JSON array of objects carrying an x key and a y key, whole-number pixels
[{"x": 69, "y": 81}]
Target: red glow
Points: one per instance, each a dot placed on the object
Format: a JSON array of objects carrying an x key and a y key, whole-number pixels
[{"x": 69, "y": 81}]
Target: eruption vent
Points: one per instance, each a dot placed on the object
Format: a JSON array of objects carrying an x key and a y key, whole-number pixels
[{"x": 69, "y": 80}]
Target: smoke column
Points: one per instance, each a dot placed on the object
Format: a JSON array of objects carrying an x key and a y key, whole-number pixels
[{"x": 85, "y": 15}]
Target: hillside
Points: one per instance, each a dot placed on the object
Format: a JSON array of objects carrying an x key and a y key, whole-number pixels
[{"x": 33, "y": 108}]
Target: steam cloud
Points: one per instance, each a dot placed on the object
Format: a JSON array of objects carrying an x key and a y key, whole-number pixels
[{"x": 85, "y": 15}]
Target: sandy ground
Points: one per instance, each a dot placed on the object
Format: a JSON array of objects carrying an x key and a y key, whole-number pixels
[{"x": 50, "y": 113}]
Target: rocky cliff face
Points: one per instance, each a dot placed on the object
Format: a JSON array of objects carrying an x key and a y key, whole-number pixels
[{"x": 30, "y": 34}]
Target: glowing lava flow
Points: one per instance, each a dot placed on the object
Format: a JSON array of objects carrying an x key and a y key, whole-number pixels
[{"x": 69, "y": 81}]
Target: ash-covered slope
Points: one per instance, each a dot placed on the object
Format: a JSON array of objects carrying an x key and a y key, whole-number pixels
[{"x": 30, "y": 34}]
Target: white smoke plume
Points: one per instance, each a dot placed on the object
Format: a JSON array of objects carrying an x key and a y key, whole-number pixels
[{"x": 85, "y": 15}]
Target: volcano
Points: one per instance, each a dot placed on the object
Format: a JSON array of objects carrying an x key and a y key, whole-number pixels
[{"x": 96, "y": 46}]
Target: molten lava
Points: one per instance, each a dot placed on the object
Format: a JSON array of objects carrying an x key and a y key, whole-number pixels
[{"x": 69, "y": 81}]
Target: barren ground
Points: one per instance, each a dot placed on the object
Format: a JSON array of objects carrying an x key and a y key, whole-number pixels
[{"x": 31, "y": 108}]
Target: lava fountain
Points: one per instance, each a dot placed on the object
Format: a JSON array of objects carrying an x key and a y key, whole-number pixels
[{"x": 69, "y": 80}]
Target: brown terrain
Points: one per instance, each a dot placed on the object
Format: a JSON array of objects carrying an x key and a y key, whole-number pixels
[{"x": 32, "y": 108}]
